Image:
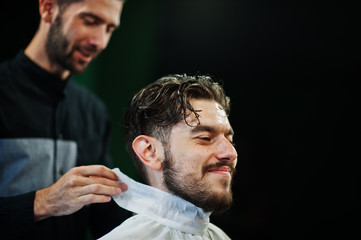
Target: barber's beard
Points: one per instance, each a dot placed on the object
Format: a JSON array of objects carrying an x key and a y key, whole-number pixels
[
  {"x": 199, "y": 193},
  {"x": 57, "y": 47}
]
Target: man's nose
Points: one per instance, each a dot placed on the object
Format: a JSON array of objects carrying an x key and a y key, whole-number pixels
[
  {"x": 226, "y": 151},
  {"x": 100, "y": 38}
]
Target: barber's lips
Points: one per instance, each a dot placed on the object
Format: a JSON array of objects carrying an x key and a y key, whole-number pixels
[
  {"x": 85, "y": 55},
  {"x": 224, "y": 171}
]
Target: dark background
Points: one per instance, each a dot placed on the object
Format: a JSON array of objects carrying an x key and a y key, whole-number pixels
[{"x": 291, "y": 69}]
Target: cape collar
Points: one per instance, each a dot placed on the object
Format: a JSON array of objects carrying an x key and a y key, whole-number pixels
[{"x": 163, "y": 207}]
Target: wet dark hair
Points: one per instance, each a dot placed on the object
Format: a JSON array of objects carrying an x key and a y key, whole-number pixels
[{"x": 155, "y": 109}]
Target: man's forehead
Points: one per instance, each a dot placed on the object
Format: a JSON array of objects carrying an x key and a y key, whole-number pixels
[
  {"x": 208, "y": 113},
  {"x": 208, "y": 108},
  {"x": 109, "y": 10}
]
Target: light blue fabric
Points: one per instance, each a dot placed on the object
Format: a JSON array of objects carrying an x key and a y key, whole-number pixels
[
  {"x": 160, "y": 215},
  {"x": 22, "y": 159}
]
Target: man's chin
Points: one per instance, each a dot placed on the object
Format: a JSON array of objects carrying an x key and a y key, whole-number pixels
[
  {"x": 220, "y": 183},
  {"x": 224, "y": 203},
  {"x": 79, "y": 68}
]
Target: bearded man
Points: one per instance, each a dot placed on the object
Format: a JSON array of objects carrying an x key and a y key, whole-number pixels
[
  {"x": 178, "y": 134},
  {"x": 54, "y": 161}
]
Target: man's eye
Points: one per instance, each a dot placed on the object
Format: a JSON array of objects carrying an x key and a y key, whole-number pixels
[
  {"x": 110, "y": 29},
  {"x": 208, "y": 139},
  {"x": 89, "y": 21}
]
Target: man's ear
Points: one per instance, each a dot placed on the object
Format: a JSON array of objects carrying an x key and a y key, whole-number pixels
[
  {"x": 47, "y": 9},
  {"x": 149, "y": 150}
]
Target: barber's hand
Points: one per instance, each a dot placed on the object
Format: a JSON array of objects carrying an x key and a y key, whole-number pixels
[{"x": 78, "y": 187}]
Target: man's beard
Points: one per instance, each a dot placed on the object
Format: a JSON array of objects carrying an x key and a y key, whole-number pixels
[
  {"x": 57, "y": 47},
  {"x": 184, "y": 185}
]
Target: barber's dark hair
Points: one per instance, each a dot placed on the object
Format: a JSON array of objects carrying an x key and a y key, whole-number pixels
[
  {"x": 155, "y": 109},
  {"x": 63, "y": 4}
]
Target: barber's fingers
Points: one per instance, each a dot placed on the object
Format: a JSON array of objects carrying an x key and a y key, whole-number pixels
[
  {"x": 79, "y": 176},
  {"x": 94, "y": 170},
  {"x": 104, "y": 181},
  {"x": 79, "y": 181},
  {"x": 93, "y": 198},
  {"x": 97, "y": 189},
  {"x": 107, "y": 182}
]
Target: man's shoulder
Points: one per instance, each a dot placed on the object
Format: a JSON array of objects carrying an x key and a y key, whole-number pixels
[
  {"x": 136, "y": 227},
  {"x": 11, "y": 66},
  {"x": 216, "y": 233},
  {"x": 142, "y": 227},
  {"x": 7, "y": 72},
  {"x": 5, "y": 69},
  {"x": 4, "y": 63}
]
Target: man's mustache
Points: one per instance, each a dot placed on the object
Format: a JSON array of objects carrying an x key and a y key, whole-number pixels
[{"x": 218, "y": 165}]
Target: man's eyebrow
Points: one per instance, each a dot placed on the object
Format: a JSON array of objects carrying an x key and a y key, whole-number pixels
[
  {"x": 97, "y": 18},
  {"x": 205, "y": 128}
]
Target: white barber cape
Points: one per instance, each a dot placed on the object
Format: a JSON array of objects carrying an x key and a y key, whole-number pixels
[{"x": 160, "y": 215}]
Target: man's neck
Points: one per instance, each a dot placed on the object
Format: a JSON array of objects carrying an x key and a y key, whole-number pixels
[
  {"x": 156, "y": 180},
  {"x": 37, "y": 53}
]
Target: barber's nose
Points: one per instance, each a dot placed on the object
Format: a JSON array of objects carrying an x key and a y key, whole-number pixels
[
  {"x": 226, "y": 151},
  {"x": 100, "y": 38}
]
